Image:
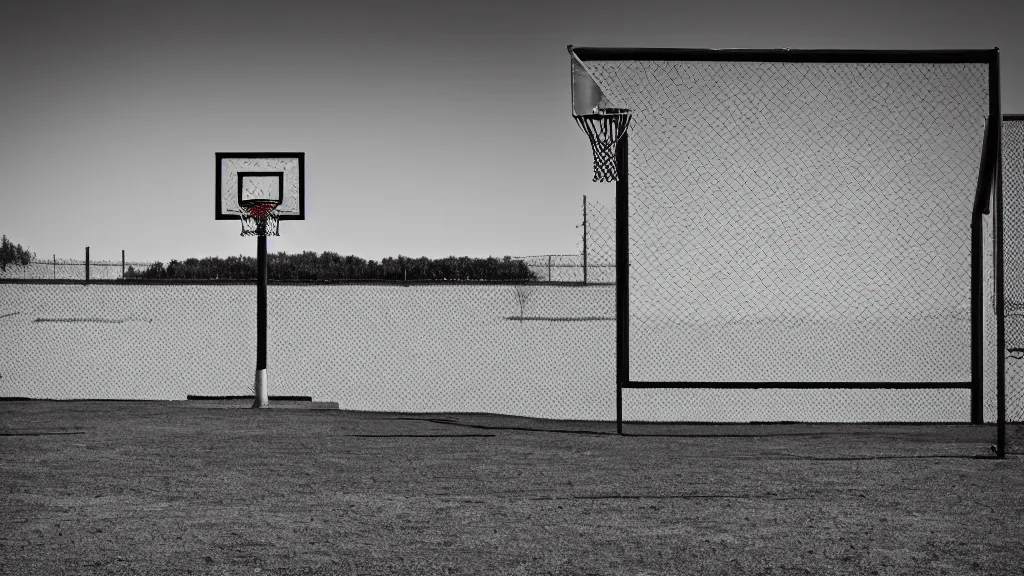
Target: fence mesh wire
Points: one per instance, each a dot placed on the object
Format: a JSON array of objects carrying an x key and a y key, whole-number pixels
[
  {"x": 540, "y": 349},
  {"x": 599, "y": 245},
  {"x": 1013, "y": 278},
  {"x": 71, "y": 269},
  {"x": 530, "y": 349},
  {"x": 803, "y": 222}
]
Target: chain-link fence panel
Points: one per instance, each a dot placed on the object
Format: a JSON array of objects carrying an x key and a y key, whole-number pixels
[
  {"x": 1013, "y": 278},
  {"x": 594, "y": 262},
  {"x": 538, "y": 350},
  {"x": 523, "y": 349},
  {"x": 72, "y": 269},
  {"x": 597, "y": 243},
  {"x": 804, "y": 223},
  {"x": 555, "y": 267}
]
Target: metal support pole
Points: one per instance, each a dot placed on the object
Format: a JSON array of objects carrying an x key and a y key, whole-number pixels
[
  {"x": 86, "y": 264},
  {"x": 982, "y": 204},
  {"x": 995, "y": 103},
  {"x": 1000, "y": 311},
  {"x": 621, "y": 274},
  {"x": 122, "y": 263},
  {"x": 549, "y": 268},
  {"x": 261, "y": 399}
]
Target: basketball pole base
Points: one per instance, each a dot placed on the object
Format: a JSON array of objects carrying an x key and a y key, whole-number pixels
[{"x": 260, "y": 389}]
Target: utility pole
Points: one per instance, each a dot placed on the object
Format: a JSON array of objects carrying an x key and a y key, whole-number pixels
[{"x": 584, "y": 238}]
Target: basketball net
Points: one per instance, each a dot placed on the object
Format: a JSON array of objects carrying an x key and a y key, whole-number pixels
[
  {"x": 605, "y": 128},
  {"x": 260, "y": 219}
]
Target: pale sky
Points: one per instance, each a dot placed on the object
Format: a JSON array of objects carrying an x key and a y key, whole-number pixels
[{"x": 429, "y": 128}]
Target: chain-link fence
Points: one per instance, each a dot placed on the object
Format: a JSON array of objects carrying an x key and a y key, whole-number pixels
[
  {"x": 594, "y": 261},
  {"x": 1013, "y": 278},
  {"x": 72, "y": 269},
  {"x": 370, "y": 335},
  {"x": 543, "y": 350},
  {"x": 802, "y": 232},
  {"x": 555, "y": 267},
  {"x": 532, "y": 349}
]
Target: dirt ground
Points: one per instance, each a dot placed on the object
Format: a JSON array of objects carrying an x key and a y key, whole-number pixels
[{"x": 180, "y": 488}]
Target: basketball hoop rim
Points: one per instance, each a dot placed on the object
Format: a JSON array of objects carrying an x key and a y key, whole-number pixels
[
  {"x": 258, "y": 202},
  {"x": 603, "y": 113},
  {"x": 258, "y": 208},
  {"x": 606, "y": 126}
]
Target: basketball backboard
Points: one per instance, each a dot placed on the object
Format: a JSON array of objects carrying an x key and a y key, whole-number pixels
[
  {"x": 587, "y": 96},
  {"x": 276, "y": 177}
]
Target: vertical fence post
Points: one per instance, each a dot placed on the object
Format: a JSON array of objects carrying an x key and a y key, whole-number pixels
[
  {"x": 54, "y": 266},
  {"x": 549, "y": 267},
  {"x": 996, "y": 114},
  {"x": 122, "y": 263},
  {"x": 982, "y": 194},
  {"x": 584, "y": 238},
  {"x": 86, "y": 264}
]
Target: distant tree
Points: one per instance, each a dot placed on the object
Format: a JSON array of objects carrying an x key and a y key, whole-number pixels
[
  {"x": 156, "y": 271},
  {"x": 11, "y": 254},
  {"x": 522, "y": 293}
]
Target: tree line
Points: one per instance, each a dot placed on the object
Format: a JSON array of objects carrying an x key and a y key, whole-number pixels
[
  {"x": 13, "y": 254},
  {"x": 328, "y": 266}
]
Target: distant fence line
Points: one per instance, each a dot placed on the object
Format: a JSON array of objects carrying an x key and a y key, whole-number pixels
[
  {"x": 593, "y": 264},
  {"x": 62, "y": 269},
  {"x": 570, "y": 268},
  {"x": 558, "y": 269}
]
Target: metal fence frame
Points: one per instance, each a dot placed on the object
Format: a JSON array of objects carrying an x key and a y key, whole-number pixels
[{"x": 988, "y": 57}]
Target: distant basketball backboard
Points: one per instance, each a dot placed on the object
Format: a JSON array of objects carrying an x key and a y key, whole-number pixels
[{"x": 245, "y": 179}]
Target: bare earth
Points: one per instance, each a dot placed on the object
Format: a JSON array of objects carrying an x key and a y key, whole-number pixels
[{"x": 175, "y": 488}]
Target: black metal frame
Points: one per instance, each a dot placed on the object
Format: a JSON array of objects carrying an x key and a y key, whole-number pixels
[
  {"x": 300, "y": 156},
  {"x": 993, "y": 138},
  {"x": 984, "y": 56},
  {"x": 982, "y": 206}
]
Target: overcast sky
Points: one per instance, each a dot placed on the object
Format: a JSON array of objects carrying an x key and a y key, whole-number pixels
[{"x": 430, "y": 128}]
